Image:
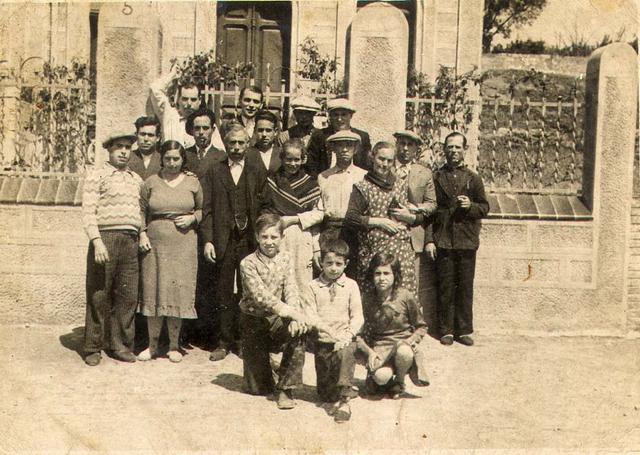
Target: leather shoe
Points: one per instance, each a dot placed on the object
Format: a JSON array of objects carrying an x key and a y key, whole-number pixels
[
  {"x": 93, "y": 359},
  {"x": 342, "y": 413},
  {"x": 465, "y": 339},
  {"x": 284, "y": 399},
  {"x": 447, "y": 340},
  {"x": 124, "y": 356},
  {"x": 218, "y": 354}
]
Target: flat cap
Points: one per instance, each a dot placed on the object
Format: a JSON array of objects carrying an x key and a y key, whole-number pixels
[
  {"x": 344, "y": 135},
  {"x": 410, "y": 134},
  {"x": 118, "y": 135},
  {"x": 340, "y": 103},
  {"x": 305, "y": 103}
]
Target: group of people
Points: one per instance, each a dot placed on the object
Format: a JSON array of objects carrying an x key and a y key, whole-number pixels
[{"x": 278, "y": 241}]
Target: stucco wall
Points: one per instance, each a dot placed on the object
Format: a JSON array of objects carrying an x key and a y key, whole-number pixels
[{"x": 556, "y": 64}]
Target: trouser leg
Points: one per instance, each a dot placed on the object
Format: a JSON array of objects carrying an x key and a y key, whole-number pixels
[
  {"x": 257, "y": 373},
  {"x": 125, "y": 293},
  {"x": 293, "y": 352},
  {"x": 464, "y": 293},
  {"x": 202, "y": 329},
  {"x": 98, "y": 309},
  {"x": 428, "y": 288},
  {"x": 446, "y": 266}
]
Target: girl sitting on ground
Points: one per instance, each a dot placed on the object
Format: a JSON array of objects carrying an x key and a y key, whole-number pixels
[{"x": 393, "y": 328}]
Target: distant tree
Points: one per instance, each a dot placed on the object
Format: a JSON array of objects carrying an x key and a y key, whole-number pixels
[{"x": 500, "y": 16}]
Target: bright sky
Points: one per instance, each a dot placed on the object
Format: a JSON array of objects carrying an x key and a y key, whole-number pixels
[{"x": 565, "y": 20}]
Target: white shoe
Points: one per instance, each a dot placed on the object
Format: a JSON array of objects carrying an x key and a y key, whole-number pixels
[
  {"x": 145, "y": 355},
  {"x": 175, "y": 356}
]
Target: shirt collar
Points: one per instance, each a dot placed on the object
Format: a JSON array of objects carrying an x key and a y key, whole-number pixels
[
  {"x": 111, "y": 168},
  {"x": 264, "y": 258},
  {"x": 236, "y": 163},
  {"x": 325, "y": 283}
]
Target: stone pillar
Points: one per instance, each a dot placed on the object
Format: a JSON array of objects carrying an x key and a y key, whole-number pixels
[
  {"x": 378, "y": 69},
  {"x": 127, "y": 62},
  {"x": 610, "y": 124}
]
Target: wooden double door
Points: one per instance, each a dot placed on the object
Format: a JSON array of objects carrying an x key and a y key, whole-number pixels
[{"x": 257, "y": 32}]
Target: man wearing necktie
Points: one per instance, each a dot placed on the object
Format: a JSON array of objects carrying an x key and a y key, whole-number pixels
[
  {"x": 201, "y": 125},
  {"x": 230, "y": 208},
  {"x": 422, "y": 196}
]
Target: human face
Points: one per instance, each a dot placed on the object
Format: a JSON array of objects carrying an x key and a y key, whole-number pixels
[
  {"x": 406, "y": 149},
  {"x": 119, "y": 153},
  {"x": 269, "y": 241},
  {"x": 189, "y": 101},
  {"x": 333, "y": 266},
  {"x": 202, "y": 131},
  {"x": 265, "y": 134},
  {"x": 147, "y": 138},
  {"x": 304, "y": 118},
  {"x": 236, "y": 145},
  {"x": 454, "y": 150},
  {"x": 383, "y": 278},
  {"x": 172, "y": 162},
  {"x": 344, "y": 151},
  {"x": 250, "y": 103},
  {"x": 383, "y": 161},
  {"x": 340, "y": 119},
  {"x": 292, "y": 161}
]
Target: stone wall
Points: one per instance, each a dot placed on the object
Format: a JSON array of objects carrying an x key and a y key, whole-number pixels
[
  {"x": 556, "y": 64},
  {"x": 43, "y": 268}
]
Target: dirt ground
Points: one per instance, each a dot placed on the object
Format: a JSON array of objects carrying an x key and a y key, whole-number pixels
[{"x": 520, "y": 394}]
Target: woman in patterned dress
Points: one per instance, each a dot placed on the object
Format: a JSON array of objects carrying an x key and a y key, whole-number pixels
[
  {"x": 172, "y": 204},
  {"x": 381, "y": 228}
]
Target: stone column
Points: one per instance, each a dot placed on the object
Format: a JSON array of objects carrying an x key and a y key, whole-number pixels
[
  {"x": 378, "y": 69},
  {"x": 127, "y": 61},
  {"x": 610, "y": 124}
]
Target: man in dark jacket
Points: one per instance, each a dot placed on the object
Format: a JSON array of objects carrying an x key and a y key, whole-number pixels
[
  {"x": 230, "y": 207},
  {"x": 145, "y": 159},
  {"x": 201, "y": 125},
  {"x": 456, "y": 234},
  {"x": 319, "y": 157}
]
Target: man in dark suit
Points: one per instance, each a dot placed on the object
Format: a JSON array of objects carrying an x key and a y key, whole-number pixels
[
  {"x": 145, "y": 159},
  {"x": 304, "y": 110},
  {"x": 456, "y": 233},
  {"x": 320, "y": 157},
  {"x": 422, "y": 196},
  {"x": 265, "y": 152},
  {"x": 230, "y": 208},
  {"x": 201, "y": 125}
]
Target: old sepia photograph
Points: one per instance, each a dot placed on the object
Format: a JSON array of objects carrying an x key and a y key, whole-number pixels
[{"x": 319, "y": 226}]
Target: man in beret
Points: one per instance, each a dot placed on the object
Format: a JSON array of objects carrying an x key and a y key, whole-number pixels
[
  {"x": 305, "y": 109},
  {"x": 422, "y": 197},
  {"x": 111, "y": 216},
  {"x": 320, "y": 157}
]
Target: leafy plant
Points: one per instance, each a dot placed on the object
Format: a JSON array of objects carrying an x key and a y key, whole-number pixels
[
  {"x": 446, "y": 104},
  {"x": 320, "y": 68},
  {"x": 208, "y": 70},
  {"x": 501, "y": 16},
  {"x": 60, "y": 115}
]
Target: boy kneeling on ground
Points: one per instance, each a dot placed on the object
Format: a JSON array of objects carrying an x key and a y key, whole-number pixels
[{"x": 271, "y": 319}]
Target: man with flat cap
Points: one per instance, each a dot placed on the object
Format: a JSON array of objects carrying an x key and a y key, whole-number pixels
[
  {"x": 305, "y": 109},
  {"x": 111, "y": 216},
  {"x": 336, "y": 185},
  {"x": 320, "y": 157},
  {"x": 422, "y": 197}
]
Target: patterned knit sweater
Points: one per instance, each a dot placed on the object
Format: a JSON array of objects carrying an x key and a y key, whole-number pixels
[{"x": 111, "y": 200}]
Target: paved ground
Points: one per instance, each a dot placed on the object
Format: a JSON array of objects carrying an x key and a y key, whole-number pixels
[{"x": 579, "y": 395}]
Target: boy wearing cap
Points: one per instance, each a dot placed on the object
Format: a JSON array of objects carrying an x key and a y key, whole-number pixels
[
  {"x": 304, "y": 111},
  {"x": 336, "y": 185},
  {"x": 422, "y": 196},
  {"x": 320, "y": 157},
  {"x": 111, "y": 216}
]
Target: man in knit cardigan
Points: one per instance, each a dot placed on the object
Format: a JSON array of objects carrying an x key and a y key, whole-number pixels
[{"x": 112, "y": 219}]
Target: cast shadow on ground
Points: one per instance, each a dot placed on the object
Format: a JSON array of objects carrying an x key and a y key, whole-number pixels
[
  {"x": 74, "y": 340},
  {"x": 234, "y": 383}
]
